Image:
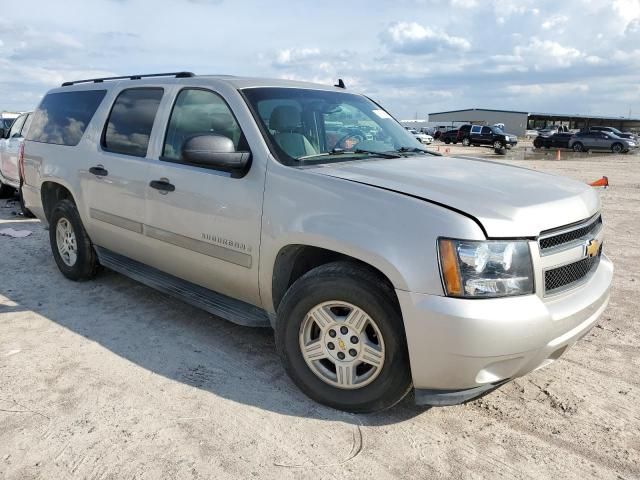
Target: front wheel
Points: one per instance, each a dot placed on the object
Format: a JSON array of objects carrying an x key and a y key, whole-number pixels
[
  {"x": 341, "y": 339},
  {"x": 617, "y": 148},
  {"x": 70, "y": 244},
  {"x": 497, "y": 145},
  {"x": 466, "y": 142},
  {"x": 578, "y": 147}
]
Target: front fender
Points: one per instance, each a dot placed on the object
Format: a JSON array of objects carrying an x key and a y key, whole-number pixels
[{"x": 392, "y": 232}]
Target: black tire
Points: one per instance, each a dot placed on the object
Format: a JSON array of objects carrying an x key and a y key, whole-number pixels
[
  {"x": 25, "y": 211},
  {"x": 497, "y": 145},
  {"x": 538, "y": 143},
  {"x": 347, "y": 282},
  {"x": 447, "y": 141},
  {"x": 578, "y": 147},
  {"x": 86, "y": 264},
  {"x": 6, "y": 191},
  {"x": 466, "y": 141},
  {"x": 617, "y": 148}
]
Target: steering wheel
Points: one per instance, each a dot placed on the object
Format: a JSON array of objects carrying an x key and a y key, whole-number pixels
[{"x": 359, "y": 137}]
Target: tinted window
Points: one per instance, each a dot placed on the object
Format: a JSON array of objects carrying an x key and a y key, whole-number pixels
[
  {"x": 199, "y": 112},
  {"x": 63, "y": 117},
  {"x": 17, "y": 126},
  {"x": 476, "y": 129},
  {"x": 27, "y": 124},
  {"x": 486, "y": 131},
  {"x": 130, "y": 121}
]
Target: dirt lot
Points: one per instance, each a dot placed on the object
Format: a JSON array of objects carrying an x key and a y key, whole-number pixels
[{"x": 109, "y": 379}]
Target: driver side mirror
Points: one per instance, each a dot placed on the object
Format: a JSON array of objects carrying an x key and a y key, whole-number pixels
[{"x": 215, "y": 151}]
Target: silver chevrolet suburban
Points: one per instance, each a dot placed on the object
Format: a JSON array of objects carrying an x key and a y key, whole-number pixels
[{"x": 380, "y": 265}]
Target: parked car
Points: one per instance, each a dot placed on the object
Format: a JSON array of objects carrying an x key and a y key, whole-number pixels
[
  {"x": 382, "y": 267},
  {"x": 584, "y": 141},
  {"x": 450, "y": 136},
  {"x": 546, "y": 132},
  {"x": 485, "y": 135},
  {"x": 421, "y": 137},
  {"x": 615, "y": 131},
  {"x": 556, "y": 140},
  {"x": 11, "y": 142},
  {"x": 7, "y": 119}
]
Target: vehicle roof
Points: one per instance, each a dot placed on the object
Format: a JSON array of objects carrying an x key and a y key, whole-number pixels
[{"x": 238, "y": 83}]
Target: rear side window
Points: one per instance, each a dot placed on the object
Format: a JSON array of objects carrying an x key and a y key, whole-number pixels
[
  {"x": 129, "y": 125},
  {"x": 63, "y": 117}
]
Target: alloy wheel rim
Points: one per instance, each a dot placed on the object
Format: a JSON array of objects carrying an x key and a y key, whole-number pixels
[
  {"x": 342, "y": 345},
  {"x": 66, "y": 242}
]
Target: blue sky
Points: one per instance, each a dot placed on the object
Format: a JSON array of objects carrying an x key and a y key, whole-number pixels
[{"x": 413, "y": 56}]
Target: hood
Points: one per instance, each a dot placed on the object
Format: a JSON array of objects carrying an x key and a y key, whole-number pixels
[{"x": 508, "y": 201}]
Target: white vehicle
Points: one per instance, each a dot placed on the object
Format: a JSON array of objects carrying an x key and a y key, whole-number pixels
[
  {"x": 11, "y": 142},
  {"x": 421, "y": 137},
  {"x": 382, "y": 267}
]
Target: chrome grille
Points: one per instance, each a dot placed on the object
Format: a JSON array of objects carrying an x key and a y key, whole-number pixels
[
  {"x": 567, "y": 276},
  {"x": 570, "y": 236}
]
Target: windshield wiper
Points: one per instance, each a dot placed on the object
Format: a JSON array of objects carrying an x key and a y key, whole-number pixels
[
  {"x": 358, "y": 151},
  {"x": 417, "y": 150},
  {"x": 380, "y": 154}
]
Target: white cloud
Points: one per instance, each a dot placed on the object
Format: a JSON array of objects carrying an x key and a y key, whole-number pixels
[
  {"x": 413, "y": 38},
  {"x": 554, "y": 21}
]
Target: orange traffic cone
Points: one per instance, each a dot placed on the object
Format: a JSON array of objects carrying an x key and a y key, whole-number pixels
[
  {"x": 601, "y": 182},
  {"x": 558, "y": 155}
]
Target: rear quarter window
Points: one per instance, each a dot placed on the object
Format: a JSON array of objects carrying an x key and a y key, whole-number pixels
[{"x": 62, "y": 118}]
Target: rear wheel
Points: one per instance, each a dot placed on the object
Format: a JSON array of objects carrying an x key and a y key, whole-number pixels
[
  {"x": 447, "y": 141},
  {"x": 341, "y": 339},
  {"x": 578, "y": 147},
  {"x": 70, "y": 244},
  {"x": 617, "y": 148},
  {"x": 466, "y": 141}
]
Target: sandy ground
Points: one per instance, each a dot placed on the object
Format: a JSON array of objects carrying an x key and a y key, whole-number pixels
[{"x": 109, "y": 379}]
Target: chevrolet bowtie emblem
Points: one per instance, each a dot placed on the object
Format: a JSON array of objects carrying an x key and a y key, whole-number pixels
[{"x": 592, "y": 248}]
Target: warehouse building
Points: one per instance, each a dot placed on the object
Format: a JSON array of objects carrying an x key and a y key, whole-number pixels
[{"x": 519, "y": 122}]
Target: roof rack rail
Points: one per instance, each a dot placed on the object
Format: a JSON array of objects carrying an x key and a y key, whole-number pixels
[{"x": 132, "y": 77}]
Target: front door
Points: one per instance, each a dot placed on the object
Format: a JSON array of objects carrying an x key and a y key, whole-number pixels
[{"x": 204, "y": 224}]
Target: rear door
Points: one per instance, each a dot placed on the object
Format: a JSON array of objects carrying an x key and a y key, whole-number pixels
[
  {"x": 116, "y": 176},
  {"x": 476, "y": 134}
]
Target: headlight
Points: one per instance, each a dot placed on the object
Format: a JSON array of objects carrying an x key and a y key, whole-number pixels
[{"x": 481, "y": 269}]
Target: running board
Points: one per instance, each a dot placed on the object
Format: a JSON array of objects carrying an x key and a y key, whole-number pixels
[{"x": 235, "y": 311}]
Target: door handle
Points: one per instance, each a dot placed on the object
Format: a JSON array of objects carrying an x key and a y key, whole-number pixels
[
  {"x": 99, "y": 171},
  {"x": 163, "y": 185}
]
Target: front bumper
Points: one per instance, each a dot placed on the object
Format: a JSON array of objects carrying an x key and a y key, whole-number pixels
[{"x": 462, "y": 344}]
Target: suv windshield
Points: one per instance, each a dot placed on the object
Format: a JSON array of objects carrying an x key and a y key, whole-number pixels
[{"x": 305, "y": 125}]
